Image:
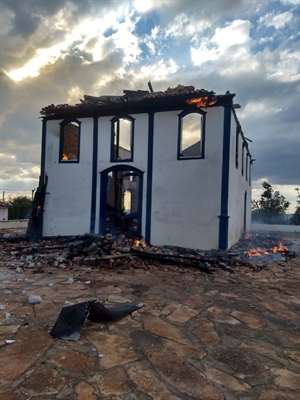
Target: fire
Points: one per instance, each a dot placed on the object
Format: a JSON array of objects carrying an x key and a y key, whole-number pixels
[
  {"x": 64, "y": 157},
  {"x": 137, "y": 243},
  {"x": 258, "y": 252},
  {"x": 202, "y": 101},
  {"x": 254, "y": 252},
  {"x": 280, "y": 248},
  {"x": 248, "y": 235}
]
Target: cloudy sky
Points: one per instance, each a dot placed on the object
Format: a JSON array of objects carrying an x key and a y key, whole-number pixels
[{"x": 56, "y": 51}]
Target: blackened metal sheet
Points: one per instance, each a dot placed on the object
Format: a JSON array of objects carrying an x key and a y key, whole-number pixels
[
  {"x": 71, "y": 318},
  {"x": 70, "y": 321},
  {"x": 120, "y": 310}
]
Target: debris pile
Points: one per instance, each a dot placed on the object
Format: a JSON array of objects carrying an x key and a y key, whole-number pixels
[{"x": 120, "y": 252}]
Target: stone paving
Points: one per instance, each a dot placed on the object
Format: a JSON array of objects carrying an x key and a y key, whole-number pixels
[{"x": 226, "y": 336}]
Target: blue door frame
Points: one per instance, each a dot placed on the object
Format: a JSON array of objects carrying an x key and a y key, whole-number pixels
[{"x": 103, "y": 195}]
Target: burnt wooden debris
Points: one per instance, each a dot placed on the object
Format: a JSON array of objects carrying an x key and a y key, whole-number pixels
[
  {"x": 34, "y": 230},
  {"x": 120, "y": 252}
]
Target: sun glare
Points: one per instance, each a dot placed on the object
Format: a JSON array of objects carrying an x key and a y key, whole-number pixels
[{"x": 143, "y": 5}]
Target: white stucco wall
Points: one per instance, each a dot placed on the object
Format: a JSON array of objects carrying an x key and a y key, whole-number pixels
[
  {"x": 68, "y": 200},
  {"x": 140, "y": 155},
  {"x": 186, "y": 194},
  {"x": 237, "y": 187},
  {"x": 3, "y": 214}
]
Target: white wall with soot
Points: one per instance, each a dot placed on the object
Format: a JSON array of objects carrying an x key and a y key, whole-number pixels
[
  {"x": 186, "y": 194},
  {"x": 140, "y": 156},
  {"x": 68, "y": 199},
  {"x": 238, "y": 185}
]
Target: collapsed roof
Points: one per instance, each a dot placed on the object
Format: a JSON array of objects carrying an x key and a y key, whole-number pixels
[{"x": 187, "y": 94}]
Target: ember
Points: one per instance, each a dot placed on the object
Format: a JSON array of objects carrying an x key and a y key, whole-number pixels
[{"x": 263, "y": 249}]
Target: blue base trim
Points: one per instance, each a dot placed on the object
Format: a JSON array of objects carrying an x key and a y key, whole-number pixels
[
  {"x": 149, "y": 178},
  {"x": 223, "y": 227},
  {"x": 94, "y": 175}
]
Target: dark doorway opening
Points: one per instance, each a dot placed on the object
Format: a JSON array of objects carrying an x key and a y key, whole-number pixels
[{"x": 121, "y": 201}]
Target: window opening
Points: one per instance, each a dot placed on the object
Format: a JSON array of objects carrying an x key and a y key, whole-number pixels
[
  {"x": 70, "y": 142},
  {"x": 122, "y": 139},
  {"x": 191, "y": 136},
  {"x": 246, "y": 167}
]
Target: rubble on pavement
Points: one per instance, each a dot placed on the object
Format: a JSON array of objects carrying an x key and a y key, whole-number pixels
[{"x": 253, "y": 251}]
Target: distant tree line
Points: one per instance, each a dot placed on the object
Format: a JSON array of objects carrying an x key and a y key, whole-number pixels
[
  {"x": 19, "y": 207},
  {"x": 271, "y": 208}
]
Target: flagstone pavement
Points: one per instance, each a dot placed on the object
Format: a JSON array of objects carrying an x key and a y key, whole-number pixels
[{"x": 225, "y": 336}]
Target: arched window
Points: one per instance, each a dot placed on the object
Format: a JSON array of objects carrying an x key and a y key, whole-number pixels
[
  {"x": 69, "y": 141},
  {"x": 122, "y": 135},
  {"x": 191, "y": 130}
]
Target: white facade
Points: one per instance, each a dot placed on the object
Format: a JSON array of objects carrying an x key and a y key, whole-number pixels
[
  {"x": 180, "y": 200},
  {"x": 3, "y": 213}
]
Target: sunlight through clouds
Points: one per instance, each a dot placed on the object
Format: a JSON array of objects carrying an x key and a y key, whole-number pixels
[{"x": 57, "y": 51}]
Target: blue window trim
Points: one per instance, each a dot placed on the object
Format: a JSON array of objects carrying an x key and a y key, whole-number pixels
[
  {"x": 182, "y": 115},
  {"x": 224, "y": 217},
  {"x": 94, "y": 176},
  {"x": 149, "y": 178},
  {"x": 237, "y": 144},
  {"x": 243, "y": 157},
  {"x": 112, "y": 140},
  {"x": 103, "y": 195},
  {"x": 61, "y": 141}
]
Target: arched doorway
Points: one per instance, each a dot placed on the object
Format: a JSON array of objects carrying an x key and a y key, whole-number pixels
[{"x": 121, "y": 192}]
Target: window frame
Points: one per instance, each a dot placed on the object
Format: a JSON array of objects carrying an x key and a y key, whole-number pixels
[
  {"x": 61, "y": 141},
  {"x": 112, "y": 137},
  {"x": 246, "y": 167},
  {"x": 180, "y": 117}
]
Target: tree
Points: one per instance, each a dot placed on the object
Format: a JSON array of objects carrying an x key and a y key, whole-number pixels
[
  {"x": 19, "y": 207},
  {"x": 271, "y": 208},
  {"x": 295, "y": 220}
]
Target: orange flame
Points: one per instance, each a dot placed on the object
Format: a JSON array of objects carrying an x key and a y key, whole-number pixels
[
  {"x": 64, "y": 157},
  {"x": 202, "y": 101},
  {"x": 280, "y": 248}
]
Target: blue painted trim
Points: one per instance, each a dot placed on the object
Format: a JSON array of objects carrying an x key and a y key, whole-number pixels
[
  {"x": 245, "y": 211},
  {"x": 112, "y": 140},
  {"x": 237, "y": 144},
  {"x": 149, "y": 177},
  {"x": 243, "y": 157},
  {"x": 182, "y": 115},
  {"x": 103, "y": 195},
  {"x": 61, "y": 141},
  {"x": 94, "y": 175},
  {"x": 43, "y": 166},
  {"x": 43, "y": 149},
  {"x": 223, "y": 226}
]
